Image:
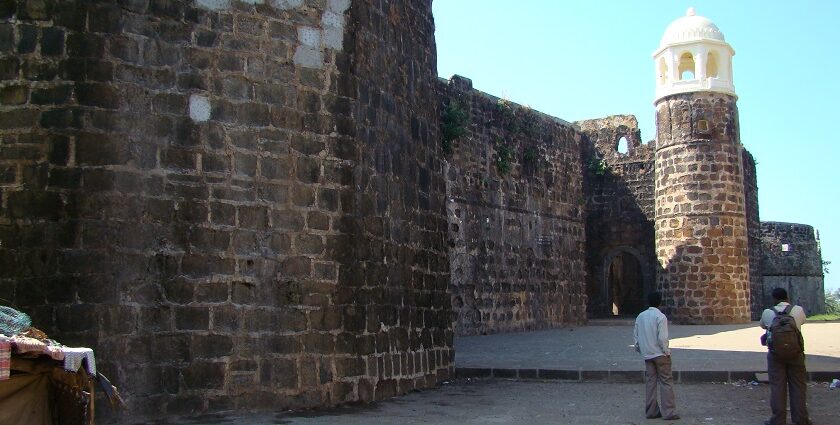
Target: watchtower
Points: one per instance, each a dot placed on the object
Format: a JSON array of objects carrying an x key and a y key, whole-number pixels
[{"x": 700, "y": 219}]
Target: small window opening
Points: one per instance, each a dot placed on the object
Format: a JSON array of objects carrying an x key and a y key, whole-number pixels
[
  {"x": 686, "y": 68},
  {"x": 623, "y": 146},
  {"x": 712, "y": 65},
  {"x": 702, "y": 126}
]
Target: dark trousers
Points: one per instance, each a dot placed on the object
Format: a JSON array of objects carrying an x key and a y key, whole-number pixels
[
  {"x": 658, "y": 376},
  {"x": 787, "y": 377}
]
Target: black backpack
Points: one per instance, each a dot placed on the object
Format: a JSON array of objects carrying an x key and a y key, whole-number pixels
[{"x": 785, "y": 341}]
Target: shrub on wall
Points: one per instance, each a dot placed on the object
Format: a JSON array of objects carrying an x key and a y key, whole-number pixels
[{"x": 452, "y": 124}]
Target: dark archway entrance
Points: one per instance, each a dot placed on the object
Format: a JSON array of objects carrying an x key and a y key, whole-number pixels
[{"x": 625, "y": 285}]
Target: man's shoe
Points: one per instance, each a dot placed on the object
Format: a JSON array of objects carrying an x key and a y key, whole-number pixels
[
  {"x": 671, "y": 418},
  {"x": 656, "y": 416}
]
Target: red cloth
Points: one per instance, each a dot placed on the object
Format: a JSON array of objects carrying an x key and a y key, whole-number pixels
[{"x": 5, "y": 358}]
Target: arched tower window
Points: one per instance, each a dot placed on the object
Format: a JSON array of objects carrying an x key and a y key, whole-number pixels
[
  {"x": 663, "y": 71},
  {"x": 686, "y": 67},
  {"x": 712, "y": 65},
  {"x": 623, "y": 146}
]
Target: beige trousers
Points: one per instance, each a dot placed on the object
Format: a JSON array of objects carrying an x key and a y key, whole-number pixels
[{"x": 658, "y": 377}]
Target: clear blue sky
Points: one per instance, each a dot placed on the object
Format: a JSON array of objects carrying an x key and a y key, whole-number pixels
[{"x": 588, "y": 59}]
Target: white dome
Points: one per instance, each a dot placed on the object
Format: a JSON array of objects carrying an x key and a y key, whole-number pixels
[
  {"x": 693, "y": 56},
  {"x": 691, "y": 28}
]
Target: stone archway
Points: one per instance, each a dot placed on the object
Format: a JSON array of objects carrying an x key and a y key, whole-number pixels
[{"x": 624, "y": 282}]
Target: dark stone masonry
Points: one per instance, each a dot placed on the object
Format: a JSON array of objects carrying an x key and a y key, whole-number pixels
[
  {"x": 515, "y": 211},
  {"x": 277, "y": 204},
  {"x": 791, "y": 259},
  {"x": 619, "y": 223},
  {"x": 237, "y": 205}
]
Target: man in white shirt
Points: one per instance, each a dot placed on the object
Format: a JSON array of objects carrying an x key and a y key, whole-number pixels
[
  {"x": 651, "y": 337},
  {"x": 784, "y": 375}
]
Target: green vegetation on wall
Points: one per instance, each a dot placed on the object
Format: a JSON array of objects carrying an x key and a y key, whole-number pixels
[
  {"x": 504, "y": 153},
  {"x": 598, "y": 166},
  {"x": 452, "y": 124}
]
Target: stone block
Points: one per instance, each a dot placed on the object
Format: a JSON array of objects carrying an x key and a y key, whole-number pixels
[
  {"x": 245, "y": 243},
  {"x": 244, "y": 165},
  {"x": 192, "y": 318},
  {"x": 349, "y": 367},
  {"x": 202, "y": 265},
  {"x": 211, "y": 346},
  {"x": 178, "y": 159},
  {"x": 283, "y": 344},
  {"x": 156, "y": 319},
  {"x": 309, "y": 244},
  {"x": 222, "y": 214},
  {"x": 253, "y": 217},
  {"x": 97, "y": 94},
  {"x": 320, "y": 343},
  {"x": 77, "y": 318},
  {"x": 303, "y": 196},
  {"x": 296, "y": 267},
  {"x": 18, "y": 118},
  {"x": 9, "y": 68},
  {"x": 280, "y": 243},
  {"x": 328, "y": 199},
  {"x": 31, "y": 205},
  {"x": 52, "y": 95},
  {"x": 14, "y": 95},
  {"x": 7, "y": 38},
  {"x": 233, "y": 87},
  {"x": 325, "y": 319},
  {"x": 284, "y": 373},
  {"x": 211, "y": 292},
  {"x": 27, "y": 39},
  {"x": 204, "y": 375},
  {"x": 226, "y": 318},
  {"x": 385, "y": 388},
  {"x": 100, "y": 149},
  {"x": 8, "y": 8}
]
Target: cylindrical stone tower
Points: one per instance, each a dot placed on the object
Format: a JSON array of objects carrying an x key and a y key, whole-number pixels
[{"x": 701, "y": 226}]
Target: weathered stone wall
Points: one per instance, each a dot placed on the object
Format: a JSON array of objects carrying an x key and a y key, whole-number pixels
[
  {"x": 619, "y": 213},
  {"x": 701, "y": 224},
  {"x": 399, "y": 274},
  {"x": 753, "y": 234},
  {"x": 798, "y": 269},
  {"x": 517, "y": 237},
  {"x": 236, "y": 204}
]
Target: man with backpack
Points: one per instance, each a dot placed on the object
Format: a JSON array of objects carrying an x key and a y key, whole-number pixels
[{"x": 785, "y": 359}]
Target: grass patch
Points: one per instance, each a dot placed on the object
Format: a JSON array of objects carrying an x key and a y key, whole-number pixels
[{"x": 824, "y": 317}]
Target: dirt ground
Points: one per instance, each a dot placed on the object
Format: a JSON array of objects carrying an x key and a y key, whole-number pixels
[{"x": 517, "y": 402}]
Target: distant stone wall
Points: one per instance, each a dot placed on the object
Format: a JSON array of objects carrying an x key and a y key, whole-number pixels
[
  {"x": 237, "y": 204},
  {"x": 516, "y": 237},
  {"x": 753, "y": 234},
  {"x": 791, "y": 259},
  {"x": 619, "y": 212}
]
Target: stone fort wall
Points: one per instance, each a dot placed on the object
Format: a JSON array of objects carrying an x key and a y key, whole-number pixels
[
  {"x": 246, "y": 204},
  {"x": 515, "y": 208},
  {"x": 791, "y": 260},
  {"x": 236, "y": 204},
  {"x": 753, "y": 234},
  {"x": 619, "y": 215}
]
